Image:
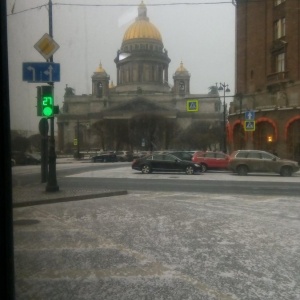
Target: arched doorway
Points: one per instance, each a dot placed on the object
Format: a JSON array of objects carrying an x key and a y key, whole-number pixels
[
  {"x": 293, "y": 139},
  {"x": 239, "y": 138},
  {"x": 264, "y": 136}
]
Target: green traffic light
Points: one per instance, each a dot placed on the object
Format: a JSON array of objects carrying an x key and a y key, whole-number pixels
[
  {"x": 47, "y": 111},
  {"x": 45, "y": 101},
  {"x": 47, "y": 106}
]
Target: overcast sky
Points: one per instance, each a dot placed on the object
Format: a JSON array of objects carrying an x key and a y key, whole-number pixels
[{"x": 202, "y": 36}]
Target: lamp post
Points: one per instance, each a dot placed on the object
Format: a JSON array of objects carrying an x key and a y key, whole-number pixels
[
  {"x": 78, "y": 146},
  {"x": 224, "y": 87},
  {"x": 52, "y": 185}
]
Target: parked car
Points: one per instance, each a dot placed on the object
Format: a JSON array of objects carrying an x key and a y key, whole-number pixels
[
  {"x": 246, "y": 161},
  {"x": 164, "y": 163},
  {"x": 124, "y": 155},
  {"x": 211, "y": 160},
  {"x": 24, "y": 158},
  {"x": 185, "y": 155},
  {"x": 140, "y": 154},
  {"x": 105, "y": 157}
]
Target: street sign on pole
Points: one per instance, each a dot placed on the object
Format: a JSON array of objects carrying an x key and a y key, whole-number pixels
[
  {"x": 46, "y": 46},
  {"x": 41, "y": 72},
  {"x": 250, "y": 115},
  {"x": 249, "y": 125}
]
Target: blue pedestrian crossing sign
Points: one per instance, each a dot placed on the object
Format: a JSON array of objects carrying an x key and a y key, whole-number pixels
[
  {"x": 250, "y": 115},
  {"x": 249, "y": 126},
  {"x": 192, "y": 105}
]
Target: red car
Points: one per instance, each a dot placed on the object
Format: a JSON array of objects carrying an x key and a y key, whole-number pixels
[{"x": 211, "y": 160}]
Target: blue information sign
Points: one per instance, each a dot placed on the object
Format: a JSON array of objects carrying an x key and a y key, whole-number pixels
[
  {"x": 41, "y": 72},
  {"x": 250, "y": 115}
]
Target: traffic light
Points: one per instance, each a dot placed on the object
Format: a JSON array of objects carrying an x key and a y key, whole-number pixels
[{"x": 45, "y": 101}]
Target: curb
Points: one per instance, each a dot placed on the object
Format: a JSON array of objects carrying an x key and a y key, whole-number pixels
[{"x": 69, "y": 199}]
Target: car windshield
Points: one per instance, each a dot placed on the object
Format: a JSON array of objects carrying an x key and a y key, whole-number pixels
[{"x": 150, "y": 149}]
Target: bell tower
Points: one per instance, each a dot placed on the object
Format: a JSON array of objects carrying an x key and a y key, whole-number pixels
[
  {"x": 181, "y": 81},
  {"x": 100, "y": 82}
]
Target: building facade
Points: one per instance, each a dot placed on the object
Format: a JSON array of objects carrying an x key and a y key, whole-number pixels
[
  {"x": 267, "y": 78},
  {"x": 142, "y": 87}
]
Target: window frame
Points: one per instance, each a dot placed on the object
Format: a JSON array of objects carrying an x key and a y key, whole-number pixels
[
  {"x": 279, "y": 28},
  {"x": 280, "y": 64}
]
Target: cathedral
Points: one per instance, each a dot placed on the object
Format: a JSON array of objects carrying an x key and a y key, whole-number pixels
[{"x": 114, "y": 111}]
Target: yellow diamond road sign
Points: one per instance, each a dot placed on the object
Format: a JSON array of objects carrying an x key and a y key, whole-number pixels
[{"x": 46, "y": 46}]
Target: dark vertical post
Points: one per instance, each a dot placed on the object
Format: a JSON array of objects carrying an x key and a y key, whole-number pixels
[
  {"x": 44, "y": 128},
  {"x": 78, "y": 146},
  {"x": 224, "y": 116},
  {"x": 224, "y": 87},
  {"x": 52, "y": 183},
  {"x": 6, "y": 211}
]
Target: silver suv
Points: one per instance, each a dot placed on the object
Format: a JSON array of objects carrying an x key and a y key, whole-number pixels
[{"x": 245, "y": 161}]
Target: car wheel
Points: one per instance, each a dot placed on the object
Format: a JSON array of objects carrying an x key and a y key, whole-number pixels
[
  {"x": 104, "y": 160},
  {"x": 286, "y": 171},
  {"x": 146, "y": 169},
  {"x": 189, "y": 170},
  {"x": 242, "y": 170},
  {"x": 204, "y": 168}
]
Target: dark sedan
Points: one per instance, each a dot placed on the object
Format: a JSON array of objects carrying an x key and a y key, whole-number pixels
[
  {"x": 105, "y": 157},
  {"x": 184, "y": 155},
  {"x": 165, "y": 163},
  {"x": 24, "y": 158}
]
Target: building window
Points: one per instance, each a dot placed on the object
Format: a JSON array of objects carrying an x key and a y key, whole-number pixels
[
  {"x": 280, "y": 62},
  {"x": 181, "y": 86},
  {"x": 277, "y": 2},
  {"x": 279, "y": 28},
  {"x": 100, "y": 90}
]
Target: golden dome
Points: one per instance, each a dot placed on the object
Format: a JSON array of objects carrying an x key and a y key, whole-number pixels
[
  {"x": 142, "y": 28},
  {"x": 100, "y": 69},
  {"x": 181, "y": 69}
]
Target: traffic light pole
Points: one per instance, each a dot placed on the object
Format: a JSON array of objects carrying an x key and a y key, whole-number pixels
[{"x": 52, "y": 182}]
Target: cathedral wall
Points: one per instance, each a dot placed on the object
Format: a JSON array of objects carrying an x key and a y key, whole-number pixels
[
  {"x": 207, "y": 107},
  {"x": 184, "y": 123},
  {"x": 79, "y": 108},
  {"x": 98, "y": 105}
]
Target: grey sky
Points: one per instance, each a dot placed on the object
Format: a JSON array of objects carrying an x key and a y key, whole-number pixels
[{"x": 201, "y": 36}]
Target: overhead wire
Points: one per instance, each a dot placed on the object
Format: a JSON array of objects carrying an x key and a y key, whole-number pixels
[
  {"x": 25, "y": 10},
  {"x": 233, "y": 2},
  {"x": 148, "y": 4},
  {"x": 121, "y": 5}
]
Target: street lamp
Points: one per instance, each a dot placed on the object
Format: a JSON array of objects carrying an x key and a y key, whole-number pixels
[{"x": 224, "y": 87}]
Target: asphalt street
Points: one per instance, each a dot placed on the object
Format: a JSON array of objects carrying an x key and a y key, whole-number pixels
[{"x": 159, "y": 245}]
